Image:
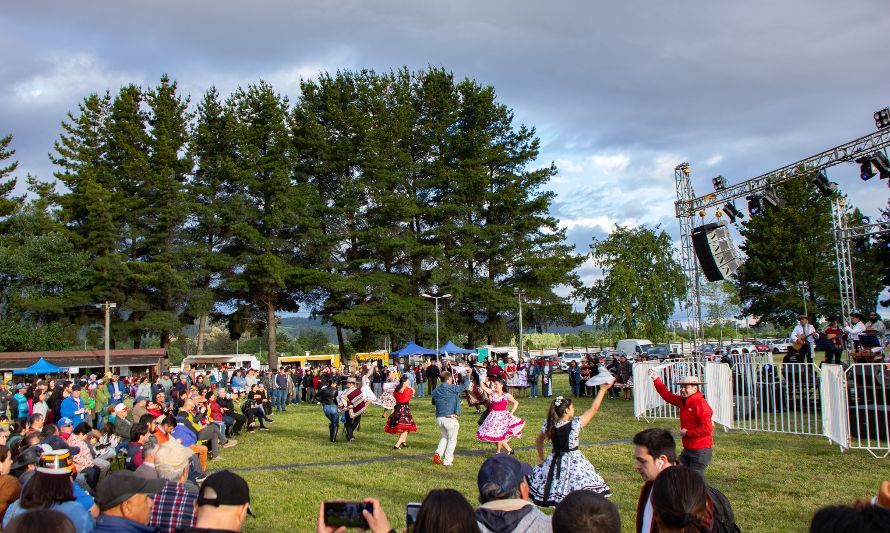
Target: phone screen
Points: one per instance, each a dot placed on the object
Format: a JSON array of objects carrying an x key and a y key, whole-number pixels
[
  {"x": 348, "y": 514},
  {"x": 411, "y": 510}
]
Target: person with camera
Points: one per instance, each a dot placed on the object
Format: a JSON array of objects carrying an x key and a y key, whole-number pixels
[{"x": 375, "y": 521}]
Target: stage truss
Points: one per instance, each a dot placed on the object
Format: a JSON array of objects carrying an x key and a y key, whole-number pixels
[{"x": 688, "y": 206}]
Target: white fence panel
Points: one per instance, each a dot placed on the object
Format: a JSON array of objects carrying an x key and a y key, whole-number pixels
[
  {"x": 718, "y": 379},
  {"x": 645, "y": 395},
  {"x": 779, "y": 398},
  {"x": 835, "y": 416},
  {"x": 868, "y": 386}
]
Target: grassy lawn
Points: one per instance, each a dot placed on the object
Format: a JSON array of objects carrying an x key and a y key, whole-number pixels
[{"x": 775, "y": 482}]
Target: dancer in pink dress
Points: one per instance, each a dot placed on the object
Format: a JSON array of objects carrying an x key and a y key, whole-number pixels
[{"x": 500, "y": 425}]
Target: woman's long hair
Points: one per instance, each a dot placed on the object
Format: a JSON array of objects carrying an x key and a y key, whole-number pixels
[
  {"x": 44, "y": 490},
  {"x": 558, "y": 408},
  {"x": 680, "y": 500},
  {"x": 446, "y": 511}
]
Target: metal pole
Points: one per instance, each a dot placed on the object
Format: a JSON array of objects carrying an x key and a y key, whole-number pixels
[
  {"x": 107, "y": 337},
  {"x": 519, "y": 357},
  {"x": 437, "y": 328}
]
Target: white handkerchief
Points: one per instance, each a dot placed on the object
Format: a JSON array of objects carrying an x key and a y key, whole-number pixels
[{"x": 601, "y": 378}]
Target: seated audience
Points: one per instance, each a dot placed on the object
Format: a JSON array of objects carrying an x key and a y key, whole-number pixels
[
  {"x": 125, "y": 501},
  {"x": 584, "y": 511},
  {"x": 174, "y": 505},
  {"x": 10, "y": 488},
  {"x": 503, "y": 493},
  {"x": 40, "y": 521},
  {"x": 445, "y": 510},
  {"x": 147, "y": 469},
  {"x": 224, "y": 503}
]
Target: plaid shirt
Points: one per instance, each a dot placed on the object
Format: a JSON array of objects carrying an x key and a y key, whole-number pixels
[{"x": 174, "y": 508}]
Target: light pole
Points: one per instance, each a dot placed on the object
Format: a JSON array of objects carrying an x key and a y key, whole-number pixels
[
  {"x": 108, "y": 307},
  {"x": 519, "y": 292},
  {"x": 804, "y": 291},
  {"x": 436, "y": 297}
]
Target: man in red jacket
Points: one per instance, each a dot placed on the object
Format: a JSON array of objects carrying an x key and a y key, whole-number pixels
[{"x": 695, "y": 420}]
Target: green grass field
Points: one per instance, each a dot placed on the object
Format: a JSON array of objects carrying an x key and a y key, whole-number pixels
[{"x": 775, "y": 482}]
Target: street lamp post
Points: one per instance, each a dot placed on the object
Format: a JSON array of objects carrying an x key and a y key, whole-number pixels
[
  {"x": 519, "y": 292},
  {"x": 804, "y": 291},
  {"x": 436, "y": 297},
  {"x": 108, "y": 307}
]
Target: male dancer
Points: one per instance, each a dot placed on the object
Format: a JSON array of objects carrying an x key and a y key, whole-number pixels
[
  {"x": 696, "y": 426},
  {"x": 353, "y": 402},
  {"x": 446, "y": 398}
]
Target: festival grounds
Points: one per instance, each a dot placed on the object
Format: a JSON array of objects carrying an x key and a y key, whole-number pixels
[{"x": 775, "y": 482}]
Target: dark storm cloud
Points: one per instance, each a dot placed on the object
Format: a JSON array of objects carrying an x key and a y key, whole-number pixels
[{"x": 736, "y": 89}]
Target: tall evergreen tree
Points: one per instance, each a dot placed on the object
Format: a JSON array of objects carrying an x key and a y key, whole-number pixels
[{"x": 7, "y": 203}]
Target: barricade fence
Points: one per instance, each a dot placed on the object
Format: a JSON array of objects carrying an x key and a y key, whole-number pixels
[{"x": 849, "y": 406}]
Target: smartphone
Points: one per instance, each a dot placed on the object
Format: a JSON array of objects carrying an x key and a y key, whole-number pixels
[
  {"x": 411, "y": 510},
  {"x": 348, "y": 514}
]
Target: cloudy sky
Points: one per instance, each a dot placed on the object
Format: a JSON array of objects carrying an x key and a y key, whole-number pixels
[{"x": 620, "y": 92}]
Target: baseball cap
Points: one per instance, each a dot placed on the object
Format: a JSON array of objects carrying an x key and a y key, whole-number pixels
[
  {"x": 65, "y": 421},
  {"x": 504, "y": 471},
  {"x": 172, "y": 457},
  {"x": 121, "y": 485},
  {"x": 119, "y": 408},
  {"x": 225, "y": 488}
]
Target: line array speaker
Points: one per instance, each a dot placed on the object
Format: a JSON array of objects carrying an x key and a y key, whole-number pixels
[{"x": 715, "y": 251}]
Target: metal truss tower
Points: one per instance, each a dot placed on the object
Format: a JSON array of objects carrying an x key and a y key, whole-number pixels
[
  {"x": 692, "y": 302},
  {"x": 843, "y": 256}
]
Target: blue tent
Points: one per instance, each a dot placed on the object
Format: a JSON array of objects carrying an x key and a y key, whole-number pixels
[
  {"x": 412, "y": 349},
  {"x": 42, "y": 366},
  {"x": 451, "y": 349}
]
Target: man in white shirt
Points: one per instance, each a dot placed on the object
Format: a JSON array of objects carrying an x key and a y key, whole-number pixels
[
  {"x": 805, "y": 332},
  {"x": 854, "y": 328}
]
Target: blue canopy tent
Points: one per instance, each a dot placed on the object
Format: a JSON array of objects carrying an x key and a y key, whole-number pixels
[
  {"x": 412, "y": 349},
  {"x": 42, "y": 366},
  {"x": 450, "y": 348}
]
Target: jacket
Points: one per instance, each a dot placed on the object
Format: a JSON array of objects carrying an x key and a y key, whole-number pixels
[
  {"x": 506, "y": 516},
  {"x": 446, "y": 398},
  {"x": 695, "y": 417},
  {"x": 641, "y": 508},
  {"x": 117, "y": 524}
]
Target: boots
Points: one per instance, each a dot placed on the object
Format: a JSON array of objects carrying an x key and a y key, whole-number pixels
[{"x": 334, "y": 430}]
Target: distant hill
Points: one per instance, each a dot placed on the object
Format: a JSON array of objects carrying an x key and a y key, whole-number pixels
[{"x": 294, "y": 325}]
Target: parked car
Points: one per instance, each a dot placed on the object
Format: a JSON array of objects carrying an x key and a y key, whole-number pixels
[
  {"x": 568, "y": 357},
  {"x": 741, "y": 348},
  {"x": 780, "y": 345},
  {"x": 761, "y": 345},
  {"x": 632, "y": 347},
  {"x": 661, "y": 351},
  {"x": 609, "y": 355}
]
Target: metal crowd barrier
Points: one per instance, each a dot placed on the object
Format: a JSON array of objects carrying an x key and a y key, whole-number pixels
[{"x": 850, "y": 406}]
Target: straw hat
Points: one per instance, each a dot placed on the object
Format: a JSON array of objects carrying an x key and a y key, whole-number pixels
[{"x": 691, "y": 380}]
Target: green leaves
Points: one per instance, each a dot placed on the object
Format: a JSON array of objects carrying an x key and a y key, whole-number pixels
[{"x": 641, "y": 281}]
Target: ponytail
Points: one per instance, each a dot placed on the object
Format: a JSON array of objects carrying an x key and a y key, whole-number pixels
[{"x": 558, "y": 408}]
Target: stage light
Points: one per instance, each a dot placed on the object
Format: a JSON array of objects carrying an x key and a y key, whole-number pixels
[
  {"x": 732, "y": 213},
  {"x": 873, "y": 165},
  {"x": 882, "y": 118},
  {"x": 770, "y": 198},
  {"x": 820, "y": 180},
  {"x": 754, "y": 205},
  {"x": 719, "y": 183}
]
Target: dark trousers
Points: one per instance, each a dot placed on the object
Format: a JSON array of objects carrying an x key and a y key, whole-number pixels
[
  {"x": 350, "y": 426},
  {"x": 210, "y": 433},
  {"x": 833, "y": 356},
  {"x": 238, "y": 421},
  {"x": 431, "y": 384},
  {"x": 697, "y": 460}
]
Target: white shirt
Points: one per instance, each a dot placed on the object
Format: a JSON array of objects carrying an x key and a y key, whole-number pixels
[
  {"x": 853, "y": 332},
  {"x": 646, "y": 525},
  {"x": 800, "y": 331}
]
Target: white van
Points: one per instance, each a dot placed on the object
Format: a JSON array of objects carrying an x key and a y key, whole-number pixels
[{"x": 633, "y": 347}]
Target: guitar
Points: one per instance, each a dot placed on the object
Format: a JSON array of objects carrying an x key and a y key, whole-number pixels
[{"x": 799, "y": 343}]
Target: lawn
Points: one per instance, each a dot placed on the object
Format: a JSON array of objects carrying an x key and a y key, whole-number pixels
[{"x": 775, "y": 482}]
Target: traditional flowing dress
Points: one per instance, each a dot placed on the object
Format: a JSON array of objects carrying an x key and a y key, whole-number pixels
[
  {"x": 521, "y": 376},
  {"x": 401, "y": 420},
  {"x": 500, "y": 425},
  {"x": 511, "y": 374},
  {"x": 565, "y": 469},
  {"x": 386, "y": 399},
  {"x": 367, "y": 392}
]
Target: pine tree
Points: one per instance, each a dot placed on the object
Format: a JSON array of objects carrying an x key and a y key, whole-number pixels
[{"x": 7, "y": 203}]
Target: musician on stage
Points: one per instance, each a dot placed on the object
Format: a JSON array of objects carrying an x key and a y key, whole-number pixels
[
  {"x": 802, "y": 337},
  {"x": 854, "y": 329},
  {"x": 834, "y": 332},
  {"x": 875, "y": 324}
]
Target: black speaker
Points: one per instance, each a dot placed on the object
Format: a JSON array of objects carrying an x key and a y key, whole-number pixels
[{"x": 715, "y": 251}]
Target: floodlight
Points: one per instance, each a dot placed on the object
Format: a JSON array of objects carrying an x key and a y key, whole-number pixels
[
  {"x": 754, "y": 205},
  {"x": 882, "y": 118},
  {"x": 772, "y": 199},
  {"x": 719, "y": 183},
  {"x": 732, "y": 213},
  {"x": 820, "y": 180}
]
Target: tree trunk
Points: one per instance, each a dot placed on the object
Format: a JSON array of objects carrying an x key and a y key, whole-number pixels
[
  {"x": 341, "y": 345},
  {"x": 271, "y": 332},
  {"x": 165, "y": 339},
  {"x": 202, "y": 323}
]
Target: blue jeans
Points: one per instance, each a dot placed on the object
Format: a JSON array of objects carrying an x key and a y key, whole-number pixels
[
  {"x": 420, "y": 390},
  {"x": 576, "y": 388},
  {"x": 297, "y": 390},
  {"x": 333, "y": 415},
  {"x": 278, "y": 397},
  {"x": 534, "y": 389}
]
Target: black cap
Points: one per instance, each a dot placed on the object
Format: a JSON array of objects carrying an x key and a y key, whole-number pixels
[
  {"x": 121, "y": 485},
  {"x": 225, "y": 488},
  {"x": 28, "y": 456}
]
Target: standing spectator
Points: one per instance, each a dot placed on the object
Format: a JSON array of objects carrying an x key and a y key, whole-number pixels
[
  {"x": 20, "y": 404},
  {"x": 279, "y": 393},
  {"x": 115, "y": 391},
  {"x": 533, "y": 372},
  {"x": 174, "y": 505},
  {"x": 420, "y": 380},
  {"x": 307, "y": 386},
  {"x": 574, "y": 378},
  {"x": 624, "y": 377},
  {"x": 696, "y": 426},
  {"x": 39, "y": 407},
  {"x": 102, "y": 401},
  {"x": 125, "y": 501},
  {"x": 503, "y": 493},
  {"x": 432, "y": 376},
  {"x": 546, "y": 379},
  {"x": 223, "y": 504},
  {"x": 72, "y": 407},
  {"x": 5, "y": 399}
]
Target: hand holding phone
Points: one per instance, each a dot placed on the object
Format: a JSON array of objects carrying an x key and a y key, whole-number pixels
[
  {"x": 346, "y": 514},
  {"x": 411, "y": 511}
]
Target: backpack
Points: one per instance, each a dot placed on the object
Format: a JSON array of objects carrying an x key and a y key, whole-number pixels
[{"x": 724, "y": 519}]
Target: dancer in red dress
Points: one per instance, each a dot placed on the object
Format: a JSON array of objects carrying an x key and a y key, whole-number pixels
[{"x": 400, "y": 421}]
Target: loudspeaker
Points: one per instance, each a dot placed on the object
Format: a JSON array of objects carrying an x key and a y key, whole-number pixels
[{"x": 715, "y": 251}]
